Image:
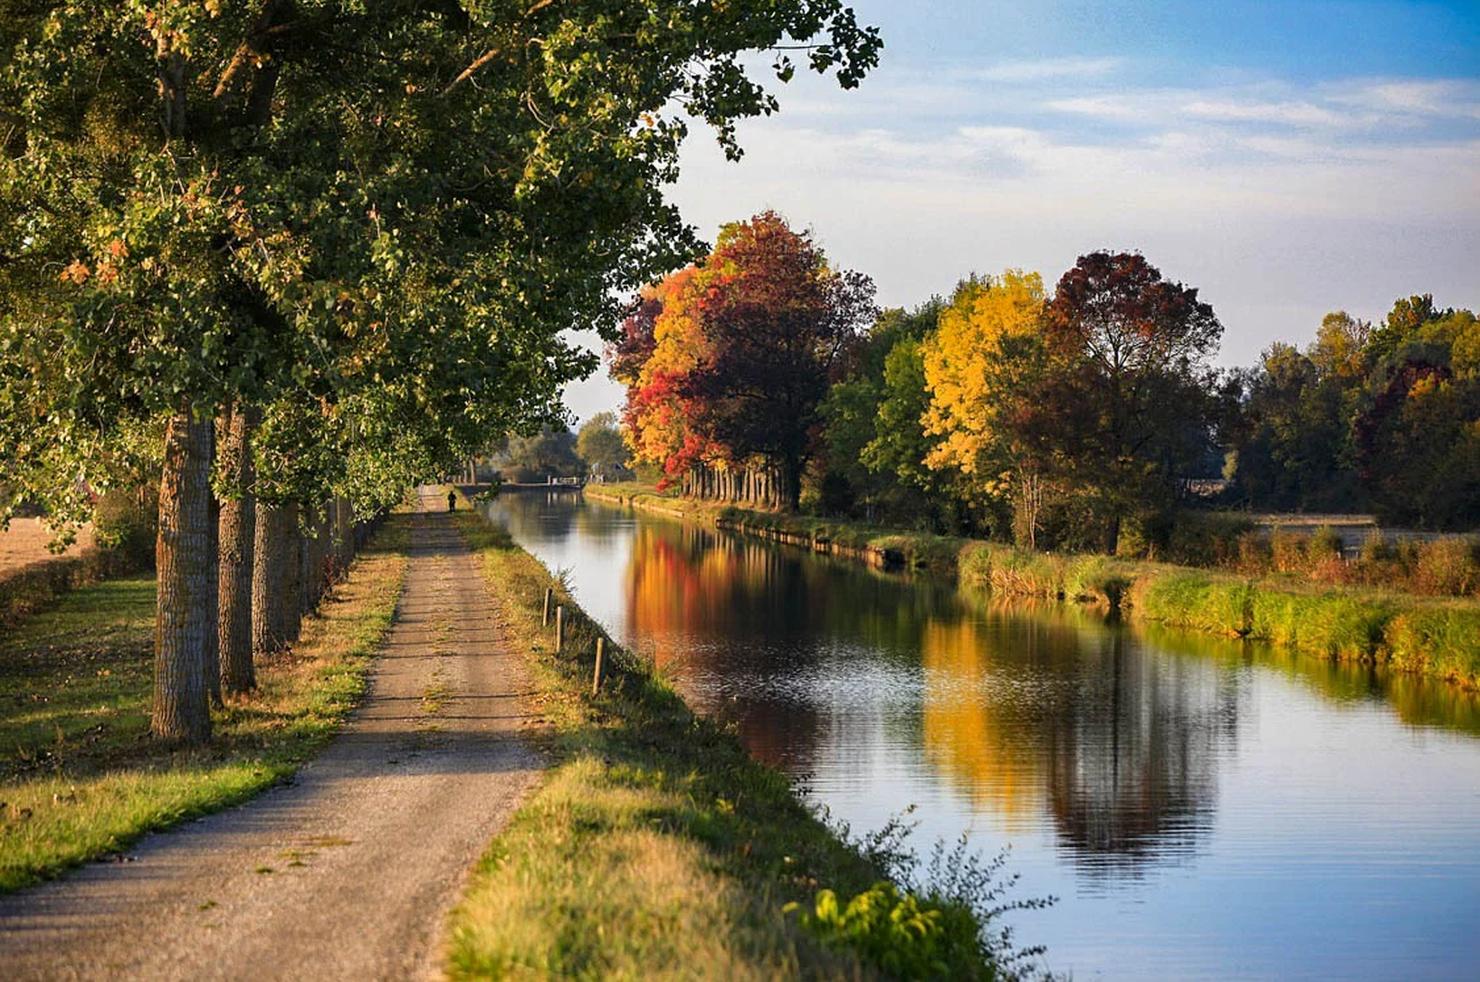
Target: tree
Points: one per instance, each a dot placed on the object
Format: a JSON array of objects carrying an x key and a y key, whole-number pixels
[
  {"x": 661, "y": 343},
  {"x": 1417, "y": 433},
  {"x": 1127, "y": 391},
  {"x": 983, "y": 368},
  {"x": 601, "y": 446},
  {"x": 725, "y": 375},
  {"x": 873, "y": 437},
  {"x": 549, "y": 453},
  {"x": 1292, "y": 449},
  {"x": 388, "y": 211},
  {"x": 775, "y": 319}
]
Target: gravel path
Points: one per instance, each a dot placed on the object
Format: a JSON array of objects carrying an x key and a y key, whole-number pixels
[{"x": 348, "y": 872}]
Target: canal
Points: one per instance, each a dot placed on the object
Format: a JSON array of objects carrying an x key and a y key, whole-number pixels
[{"x": 1200, "y": 808}]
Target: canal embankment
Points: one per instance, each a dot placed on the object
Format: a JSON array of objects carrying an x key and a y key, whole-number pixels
[
  {"x": 1431, "y": 636},
  {"x": 657, "y": 846}
]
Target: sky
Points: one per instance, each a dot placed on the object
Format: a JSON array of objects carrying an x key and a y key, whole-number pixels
[{"x": 1285, "y": 158}]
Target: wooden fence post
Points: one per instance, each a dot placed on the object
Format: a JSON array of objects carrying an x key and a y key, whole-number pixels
[
  {"x": 559, "y": 628},
  {"x": 596, "y": 677},
  {"x": 545, "y": 617}
]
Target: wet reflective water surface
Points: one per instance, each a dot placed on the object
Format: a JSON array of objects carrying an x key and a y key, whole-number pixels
[{"x": 1201, "y": 808}]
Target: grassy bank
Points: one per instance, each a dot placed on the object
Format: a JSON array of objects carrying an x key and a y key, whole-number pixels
[
  {"x": 85, "y": 778},
  {"x": 657, "y": 847},
  {"x": 1432, "y": 636}
]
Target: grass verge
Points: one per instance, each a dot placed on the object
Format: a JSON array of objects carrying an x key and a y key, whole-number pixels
[
  {"x": 657, "y": 847},
  {"x": 1431, "y": 636},
  {"x": 75, "y": 687}
]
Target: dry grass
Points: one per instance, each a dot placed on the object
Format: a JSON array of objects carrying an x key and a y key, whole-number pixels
[{"x": 26, "y": 542}]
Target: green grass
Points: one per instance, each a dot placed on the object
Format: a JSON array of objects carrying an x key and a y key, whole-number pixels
[
  {"x": 1441, "y": 640},
  {"x": 656, "y": 847},
  {"x": 1411, "y": 633},
  {"x": 86, "y": 779},
  {"x": 1196, "y": 600}
]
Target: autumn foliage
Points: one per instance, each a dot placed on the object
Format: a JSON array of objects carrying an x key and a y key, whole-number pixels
[{"x": 726, "y": 363}]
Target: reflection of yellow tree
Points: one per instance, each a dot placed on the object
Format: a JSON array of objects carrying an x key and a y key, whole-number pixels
[{"x": 989, "y": 753}]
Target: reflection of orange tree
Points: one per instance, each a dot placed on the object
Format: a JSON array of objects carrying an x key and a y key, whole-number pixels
[
  {"x": 688, "y": 587},
  {"x": 987, "y": 750}
]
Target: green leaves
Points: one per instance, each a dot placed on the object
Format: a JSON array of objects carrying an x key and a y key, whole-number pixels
[{"x": 376, "y": 212}]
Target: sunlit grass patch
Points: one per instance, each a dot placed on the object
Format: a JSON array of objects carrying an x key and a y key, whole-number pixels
[{"x": 75, "y": 684}]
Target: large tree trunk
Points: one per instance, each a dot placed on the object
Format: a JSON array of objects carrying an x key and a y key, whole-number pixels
[
  {"x": 790, "y": 491},
  {"x": 305, "y": 563},
  {"x": 237, "y": 527},
  {"x": 270, "y": 557},
  {"x": 344, "y": 536},
  {"x": 213, "y": 602},
  {"x": 291, "y": 585},
  {"x": 185, "y": 620}
]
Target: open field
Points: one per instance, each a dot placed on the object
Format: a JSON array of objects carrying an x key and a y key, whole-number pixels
[{"x": 26, "y": 540}]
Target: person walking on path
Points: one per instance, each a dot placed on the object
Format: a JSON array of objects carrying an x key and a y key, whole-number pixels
[{"x": 452, "y": 500}]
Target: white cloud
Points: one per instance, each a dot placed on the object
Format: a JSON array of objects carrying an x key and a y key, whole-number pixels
[
  {"x": 1287, "y": 113},
  {"x": 1350, "y": 105},
  {"x": 1044, "y": 68},
  {"x": 1444, "y": 98}
]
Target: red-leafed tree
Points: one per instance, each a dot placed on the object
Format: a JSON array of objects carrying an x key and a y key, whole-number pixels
[
  {"x": 1125, "y": 403},
  {"x": 776, "y": 317},
  {"x": 726, "y": 363}
]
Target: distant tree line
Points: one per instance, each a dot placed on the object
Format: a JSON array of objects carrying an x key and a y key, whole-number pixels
[{"x": 1088, "y": 417}]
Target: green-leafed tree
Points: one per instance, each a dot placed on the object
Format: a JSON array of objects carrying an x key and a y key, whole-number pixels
[
  {"x": 600, "y": 445},
  {"x": 875, "y": 445},
  {"x": 1417, "y": 432},
  {"x": 535, "y": 458}
]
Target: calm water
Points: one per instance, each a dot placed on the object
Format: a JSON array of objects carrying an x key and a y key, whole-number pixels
[{"x": 1200, "y": 808}]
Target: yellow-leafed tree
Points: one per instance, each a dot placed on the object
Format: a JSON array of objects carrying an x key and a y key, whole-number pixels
[{"x": 981, "y": 367}]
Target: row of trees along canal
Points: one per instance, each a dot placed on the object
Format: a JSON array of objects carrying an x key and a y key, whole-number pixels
[
  {"x": 294, "y": 253},
  {"x": 1063, "y": 420}
]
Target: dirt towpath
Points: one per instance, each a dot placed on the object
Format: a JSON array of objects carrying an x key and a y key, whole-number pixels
[{"x": 367, "y": 850}]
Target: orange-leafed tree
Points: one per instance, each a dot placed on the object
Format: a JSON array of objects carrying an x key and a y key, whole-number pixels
[
  {"x": 726, "y": 363},
  {"x": 777, "y": 317}
]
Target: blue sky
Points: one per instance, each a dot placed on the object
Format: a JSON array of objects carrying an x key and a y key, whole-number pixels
[{"x": 1286, "y": 158}]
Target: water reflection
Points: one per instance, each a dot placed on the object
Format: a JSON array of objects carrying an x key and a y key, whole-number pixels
[{"x": 1124, "y": 764}]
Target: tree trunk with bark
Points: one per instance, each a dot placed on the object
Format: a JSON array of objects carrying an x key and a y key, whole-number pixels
[
  {"x": 213, "y": 601},
  {"x": 185, "y": 621},
  {"x": 344, "y": 535},
  {"x": 237, "y": 530},
  {"x": 270, "y": 557},
  {"x": 291, "y": 586}
]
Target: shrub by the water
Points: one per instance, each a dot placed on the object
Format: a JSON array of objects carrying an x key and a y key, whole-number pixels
[
  {"x": 1443, "y": 641},
  {"x": 1338, "y": 624},
  {"x": 1206, "y": 539},
  {"x": 1287, "y": 551},
  {"x": 1447, "y": 567},
  {"x": 1255, "y": 557}
]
